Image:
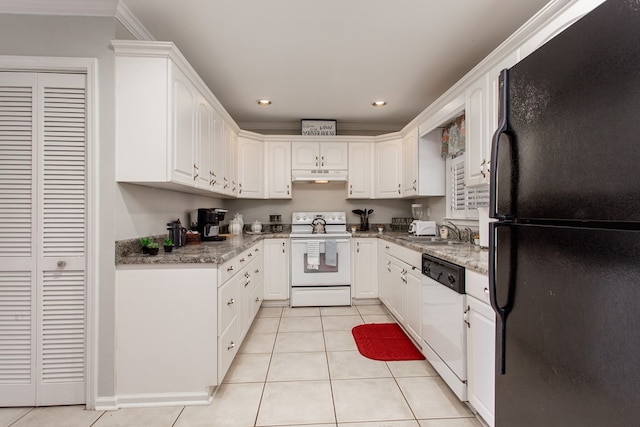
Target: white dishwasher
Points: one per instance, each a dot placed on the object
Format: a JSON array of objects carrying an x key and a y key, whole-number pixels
[{"x": 443, "y": 325}]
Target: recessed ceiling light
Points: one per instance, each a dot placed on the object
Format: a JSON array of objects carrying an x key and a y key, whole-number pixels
[
  {"x": 263, "y": 102},
  {"x": 379, "y": 103}
]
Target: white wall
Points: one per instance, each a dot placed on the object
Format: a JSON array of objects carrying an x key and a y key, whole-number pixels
[
  {"x": 57, "y": 36},
  {"x": 144, "y": 211},
  {"x": 319, "y": 197}
]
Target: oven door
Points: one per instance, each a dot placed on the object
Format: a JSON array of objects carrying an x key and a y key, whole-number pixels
[{"x": 316, "y": 269}]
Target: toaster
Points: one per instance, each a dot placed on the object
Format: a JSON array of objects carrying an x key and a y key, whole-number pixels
[{"x": 423, "y": 228}]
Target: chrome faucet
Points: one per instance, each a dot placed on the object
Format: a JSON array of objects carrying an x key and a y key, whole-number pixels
[{"x": 454, "y": 229}]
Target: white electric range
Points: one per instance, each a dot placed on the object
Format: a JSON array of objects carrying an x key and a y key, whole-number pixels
[{"x": 320, "y": 259}]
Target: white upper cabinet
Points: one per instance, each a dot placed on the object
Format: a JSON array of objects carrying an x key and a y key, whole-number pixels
[
  {"x": 319, "y": 155},
  {"x": 230, "y": 178},
  {"x": 388, "y": 169},
  {"x": 422, "y": 166},
  {"x": 359, "y": 184},
  {"x": 170, "y": 130},
  {"x": 185, "y": 168},
  {"x": 481, "y": 121},
  {"x": 279, "y": 169},
  {"x": 250, "y": 168},
  {"x": 410, "y": 164}
]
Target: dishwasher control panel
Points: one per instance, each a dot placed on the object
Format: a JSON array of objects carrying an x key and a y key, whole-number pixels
[{"x": 444, "y": 272}]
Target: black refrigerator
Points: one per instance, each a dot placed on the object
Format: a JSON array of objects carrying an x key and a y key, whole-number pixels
[{"x": 564, "y": 255}]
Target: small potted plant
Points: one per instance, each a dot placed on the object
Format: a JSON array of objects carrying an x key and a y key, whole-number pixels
[
  {"x": 168, "y": 245},
  {"x": 144, "y": 244},
  {"x": 153, "y": 248}
]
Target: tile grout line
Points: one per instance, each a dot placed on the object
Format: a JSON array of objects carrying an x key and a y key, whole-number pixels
[{"x": 266, "y": 376}]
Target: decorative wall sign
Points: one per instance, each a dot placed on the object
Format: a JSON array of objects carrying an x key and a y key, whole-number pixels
[{"x": 318, "y": 127}]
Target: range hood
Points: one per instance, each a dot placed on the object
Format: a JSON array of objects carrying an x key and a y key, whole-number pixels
[{"x": 318, "y": 175}]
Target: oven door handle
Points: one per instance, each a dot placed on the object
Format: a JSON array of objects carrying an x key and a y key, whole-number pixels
[{"x": 321, "y": 240}]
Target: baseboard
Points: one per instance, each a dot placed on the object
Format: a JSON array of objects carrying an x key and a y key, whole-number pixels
[{"x": 153, "y": 400}]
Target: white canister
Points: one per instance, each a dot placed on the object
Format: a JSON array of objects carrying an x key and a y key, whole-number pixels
[
  {"x": 256, "y": 227},
  {"x": 235, "y": 227}
]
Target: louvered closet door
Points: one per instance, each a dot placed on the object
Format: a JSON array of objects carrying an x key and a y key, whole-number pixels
[
  {"x": 57, "y": 222},
  {"x": 18, "y": 233}
]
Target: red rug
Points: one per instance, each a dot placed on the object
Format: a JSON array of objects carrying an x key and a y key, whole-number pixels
[{"x": 385, "y": 341}]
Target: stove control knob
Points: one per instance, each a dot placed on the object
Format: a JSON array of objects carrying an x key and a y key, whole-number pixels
[
  {"x": 298, "y": 218},
  {"x": 451, "y": 278}
]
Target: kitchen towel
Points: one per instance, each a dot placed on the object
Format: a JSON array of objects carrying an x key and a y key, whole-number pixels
[
  {"x": 330, "y": 252},
  {"x": 313, "y": 254}
]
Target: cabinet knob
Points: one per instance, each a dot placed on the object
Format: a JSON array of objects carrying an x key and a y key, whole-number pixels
[
  {"x": 62, "y": 264},
  {"x": 231, "y": 301}
]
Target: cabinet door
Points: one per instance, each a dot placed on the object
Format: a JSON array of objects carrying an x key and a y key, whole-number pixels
[
  {"x": 360, "y": 164},
  {"x": 387, "y": 172},
  {"x": 481, "y": 121},
  {"x": 276, "y": 269},
  {"x": 250, "y": 168},
  {"x": 230, "y": 175},
  {"x": 476, "y": 122},
  {"x": 399, "y": 290},
  {"x": 414, "y": 302},
  {"x": 279, "y": 170},
  {"x": 204, "y": 142},
  {"x": 184, "y": 168},
  {"x": 481, "y": 358},
  {"x": 384, "y": 275},
  {"x": 365, "y": 272},
  {"x": 218, "y": 154},
  {"x": 410, "y": 164},
  {"x": 334, "y": 155},
  {"x": 305, "y": 155}
]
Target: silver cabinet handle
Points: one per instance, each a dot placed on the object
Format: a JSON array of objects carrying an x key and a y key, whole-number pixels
[
  {"x": 288, "y": 189},
  {"x": 196, "y": 170},
  {"x": 62, "y": 264},
  {"x": 257, "y": 299},
  {"x": 231, "y": 301},
  {"x": 399, "y": 188},
  {"x": 230, "y": 268},
  {"x": 231, "y": 345}
]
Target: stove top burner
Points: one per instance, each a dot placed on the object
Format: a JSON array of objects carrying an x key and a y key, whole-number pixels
[{"x": 335, "y": 224}]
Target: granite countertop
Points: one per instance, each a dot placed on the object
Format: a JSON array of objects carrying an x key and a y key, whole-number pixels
[{"x": 127, "y": 251}]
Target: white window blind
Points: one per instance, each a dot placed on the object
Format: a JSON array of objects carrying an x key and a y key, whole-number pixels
[{"x": 464, "y": 200}]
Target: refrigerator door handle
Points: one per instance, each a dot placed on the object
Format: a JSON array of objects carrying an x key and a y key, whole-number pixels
[
  {"x": 501, "y": 311},
  {"x": 503, "y": 129}
]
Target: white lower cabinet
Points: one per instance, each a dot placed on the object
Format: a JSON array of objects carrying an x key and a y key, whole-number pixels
[
  {"x": 236, "y": 303},
  {"x": 276, "y": 269},
  {"x": 400, "y": 285},
  {"x": 365, "y": 273},
  {"x": 166, "y": 317},
  {"x": 480, "y": 347}
]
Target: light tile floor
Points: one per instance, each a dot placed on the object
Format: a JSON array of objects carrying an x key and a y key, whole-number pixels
[{"x": 297, "y": 367}]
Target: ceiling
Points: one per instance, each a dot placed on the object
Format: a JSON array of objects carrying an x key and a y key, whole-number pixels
[{"x": 330, "y": 59}]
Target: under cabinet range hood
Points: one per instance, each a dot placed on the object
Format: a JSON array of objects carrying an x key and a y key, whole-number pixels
[{"x": 318, "y": 175}]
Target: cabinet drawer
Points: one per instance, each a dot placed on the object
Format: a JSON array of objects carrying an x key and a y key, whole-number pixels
[
  {"x": 409, "y": 256},
  {"x": 234, "y": 265},
  {"x": 228, "y": 302},
  {"x": 228, "y": 344},
  {"x": 477, "y": 285}
]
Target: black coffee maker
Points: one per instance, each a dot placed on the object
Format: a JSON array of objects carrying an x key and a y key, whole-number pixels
[{"x": 209, "y": 224}]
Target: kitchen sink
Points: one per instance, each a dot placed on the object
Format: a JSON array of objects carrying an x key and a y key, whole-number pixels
[{"x": 430, "y": 240}]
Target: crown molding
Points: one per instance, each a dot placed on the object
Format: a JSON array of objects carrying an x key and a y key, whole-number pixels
[
  {"x": 59, "y": 7},
  {"x": 342, "y": 126},
  {"x": 131, "y": 23}
]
